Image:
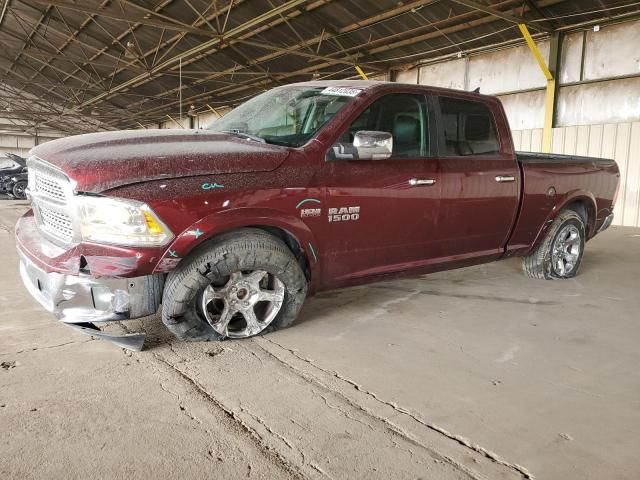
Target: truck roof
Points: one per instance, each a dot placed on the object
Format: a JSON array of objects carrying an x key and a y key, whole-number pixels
[{"x": 381, "y": 85}]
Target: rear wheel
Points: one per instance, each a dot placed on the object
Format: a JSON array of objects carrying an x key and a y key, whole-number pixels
[
  {"x": 560, "y": 254},
  {"x": 242, "y": 284},
  {"x": 19, "y": 190}
]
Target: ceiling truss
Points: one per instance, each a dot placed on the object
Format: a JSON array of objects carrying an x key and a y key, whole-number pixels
[{"x": 78, "y": 66}]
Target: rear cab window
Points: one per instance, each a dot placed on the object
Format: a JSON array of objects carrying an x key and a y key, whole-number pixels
[{"x": 466, "y": 128}]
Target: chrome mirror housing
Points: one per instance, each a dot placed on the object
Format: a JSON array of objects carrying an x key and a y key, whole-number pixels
[{"x": 372, "y": 145}]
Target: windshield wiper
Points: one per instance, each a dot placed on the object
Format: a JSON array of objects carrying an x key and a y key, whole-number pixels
[{"x": 248, "y": 136}]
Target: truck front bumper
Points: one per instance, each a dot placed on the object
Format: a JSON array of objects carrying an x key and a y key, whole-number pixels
[{"x": 80, "y": 300}]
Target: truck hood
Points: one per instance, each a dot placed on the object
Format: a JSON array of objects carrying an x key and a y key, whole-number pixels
[{"x": 102, "y": 161}]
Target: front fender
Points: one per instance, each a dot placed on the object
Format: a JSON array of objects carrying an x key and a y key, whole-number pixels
[{"x": 228, "y": 220}]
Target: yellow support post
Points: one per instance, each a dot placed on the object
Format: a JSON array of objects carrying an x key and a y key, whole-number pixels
[
  {"x": 361, "y": 73},
  {"x": 548, "y": 116},
  {"x": 551, "y": 89},
  {"x": 175, "y": 121},
  {"x": 214, "y": 111}
]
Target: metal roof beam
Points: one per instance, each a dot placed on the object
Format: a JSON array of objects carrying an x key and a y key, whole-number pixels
[
  {"x": 294, "y": 51},
  {"x": 383, "y": 42},
  {"x": 128, "y": 17},
  {"x": 497, "y": 13},
  {"x": 212, "y": 76},
  {"x": 3, "y": 10},
  {"x": 205, "y": 46}
]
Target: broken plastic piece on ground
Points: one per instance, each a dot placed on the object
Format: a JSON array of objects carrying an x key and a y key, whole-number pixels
[{"x": 130, "y": 341}]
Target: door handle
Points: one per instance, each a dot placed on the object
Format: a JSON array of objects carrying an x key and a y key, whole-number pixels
[
  {"x": 505, "y": 178},
  {"x": 414, "y": 182}
]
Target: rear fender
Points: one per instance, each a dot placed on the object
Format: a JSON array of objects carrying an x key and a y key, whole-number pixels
[
  {"x": 582, "y": 196},
  {"x": 221, "y": 222}
]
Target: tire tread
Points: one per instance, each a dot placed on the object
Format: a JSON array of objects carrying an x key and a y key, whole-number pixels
[
  {"x": 249, "y": 247},
  {"x": 538, "y": 263}
]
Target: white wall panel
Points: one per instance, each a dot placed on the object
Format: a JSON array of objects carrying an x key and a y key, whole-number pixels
[
  {"x": 582, "y": 141},
  {"x": 611, "y": 53},
  {"x": 507, "y": 70},
  {"x": 620, "y": 141},
  {"x": 205, "y": 119},
  {"x": 408, "y": 76},
  {"x": 557, "y": 140},
  {"x": 632, "y": 191},
  {"x": 19, "y": 144},
  {"x": 524, "y": 110},
  {"x": 623, "y": 142},
  {"x": 603, "y": 61},
  {"x": 382, "y": 77},
  {"x": 446, "y": 75},
  {"x": 571, "y": 57},
  {"x": 602, "y": 102}
]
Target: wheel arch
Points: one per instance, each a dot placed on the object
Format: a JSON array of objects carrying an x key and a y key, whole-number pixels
[
  {"x": 291, "y": 230},
  {"x": 582, "y": 202}
]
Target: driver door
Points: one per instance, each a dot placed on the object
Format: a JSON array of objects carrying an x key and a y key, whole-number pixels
[{"x": 381, "y": 214}]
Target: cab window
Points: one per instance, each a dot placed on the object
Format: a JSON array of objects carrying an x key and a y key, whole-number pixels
[
  {"x": 466, "y": 128},
  {"x": 404, "y": 116}
]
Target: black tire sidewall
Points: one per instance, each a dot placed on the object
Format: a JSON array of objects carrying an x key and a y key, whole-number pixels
[
  {"x": 256, "y": 250},
  {"x": 13, "y": 190}
]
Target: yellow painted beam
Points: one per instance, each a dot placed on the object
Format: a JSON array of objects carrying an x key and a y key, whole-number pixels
[
  {"x": 548, "y": 116},
  {"x": 214, "y": 111},
  {"x": 549, "y": 102},
  {"x": 361, "y": 73},
  {"x": 175, "y": 121},
  {"x": 534, "y": 49}
]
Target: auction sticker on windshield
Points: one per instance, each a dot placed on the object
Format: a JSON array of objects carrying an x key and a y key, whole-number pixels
[{"x": 341, "y": 91}]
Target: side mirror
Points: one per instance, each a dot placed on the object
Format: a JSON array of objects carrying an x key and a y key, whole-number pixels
[{"x": 373, "y": 145}]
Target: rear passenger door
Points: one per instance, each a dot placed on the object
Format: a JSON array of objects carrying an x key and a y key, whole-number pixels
[{"x": 480, "y": 180}]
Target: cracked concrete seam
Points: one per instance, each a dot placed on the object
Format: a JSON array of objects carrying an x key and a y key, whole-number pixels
[
  {"x": 494, "y": 457},
  {"x": 390, "y": 426},
  {"x": 230, "y": 414},
  {"x": 35, "y": 349}
]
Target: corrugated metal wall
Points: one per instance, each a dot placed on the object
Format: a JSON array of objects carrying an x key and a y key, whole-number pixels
[{"x": 620, "y": 141}]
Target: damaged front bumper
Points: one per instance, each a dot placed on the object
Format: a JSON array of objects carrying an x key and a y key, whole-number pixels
[{"x": 79, "y": 300}]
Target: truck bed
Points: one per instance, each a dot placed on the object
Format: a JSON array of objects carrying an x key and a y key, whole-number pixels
[
  {"x": 550, "y": 182},
  {"x": 534, "y": 157}
]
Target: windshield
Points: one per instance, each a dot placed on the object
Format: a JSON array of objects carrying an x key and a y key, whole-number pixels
[{"x": 288, "y": 116}]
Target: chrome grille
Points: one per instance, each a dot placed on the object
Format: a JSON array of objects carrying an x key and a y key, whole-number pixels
[
  {"x": 57, "y": 224},
  {"x": 51, "y": 192},
  {"x": 49, "y": 186}
]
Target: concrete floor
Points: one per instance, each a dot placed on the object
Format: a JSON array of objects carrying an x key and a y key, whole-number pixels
[{"x": 471, "y": 374}]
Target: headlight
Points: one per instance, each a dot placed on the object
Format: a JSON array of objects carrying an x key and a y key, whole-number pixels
[{"x": 121, "y": 222}]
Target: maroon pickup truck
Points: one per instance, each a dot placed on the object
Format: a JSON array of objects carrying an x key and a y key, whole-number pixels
[{"x": 306, "y": 187}]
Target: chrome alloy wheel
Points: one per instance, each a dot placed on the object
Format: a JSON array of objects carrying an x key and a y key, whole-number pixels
[
  {"x": 566, "y": 250},
  {"x": 245, "y": 305}
]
